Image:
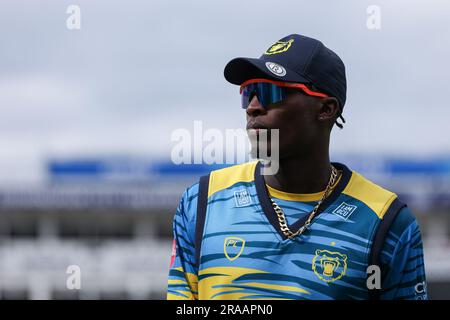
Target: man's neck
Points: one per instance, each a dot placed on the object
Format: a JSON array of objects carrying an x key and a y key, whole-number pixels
[{"x": 299, "y": 175}]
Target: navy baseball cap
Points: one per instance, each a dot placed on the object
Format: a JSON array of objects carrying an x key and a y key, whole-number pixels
[{"x": 296, "y": 59}]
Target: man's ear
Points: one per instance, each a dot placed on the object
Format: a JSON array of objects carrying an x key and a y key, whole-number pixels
[{"x": 329, "y": 109}]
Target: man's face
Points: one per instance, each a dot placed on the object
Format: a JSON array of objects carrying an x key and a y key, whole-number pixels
[{"x": 295, "y": 117}]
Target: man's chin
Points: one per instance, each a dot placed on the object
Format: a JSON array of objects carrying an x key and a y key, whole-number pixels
[{"x": 261, "y": 153}]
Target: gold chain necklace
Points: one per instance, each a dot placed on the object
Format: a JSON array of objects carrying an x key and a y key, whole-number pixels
[{"x": 282, "y": 218}]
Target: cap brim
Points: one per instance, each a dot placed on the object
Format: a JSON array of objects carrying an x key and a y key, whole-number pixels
[{"x": 239, "y": 70}]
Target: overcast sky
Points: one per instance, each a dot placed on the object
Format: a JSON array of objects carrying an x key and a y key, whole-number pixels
[{"x": 137, "y": 70}]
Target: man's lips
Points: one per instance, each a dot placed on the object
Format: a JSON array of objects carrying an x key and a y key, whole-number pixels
[{"x": 256, "y": 126}]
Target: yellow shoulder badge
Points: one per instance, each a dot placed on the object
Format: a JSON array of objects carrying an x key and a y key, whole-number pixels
[{"x": 279, "y": 47}]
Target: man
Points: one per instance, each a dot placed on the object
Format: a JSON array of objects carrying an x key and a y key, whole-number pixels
[{"x": 314, "y": 229}]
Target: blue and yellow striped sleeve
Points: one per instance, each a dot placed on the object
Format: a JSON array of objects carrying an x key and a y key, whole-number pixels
[
  {"x": 402, "y": 260},
  {"x": 183, "y": 279}
]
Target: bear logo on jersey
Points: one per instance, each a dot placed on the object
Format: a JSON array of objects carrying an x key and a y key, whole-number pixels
[{"x": 329, "y": 266}]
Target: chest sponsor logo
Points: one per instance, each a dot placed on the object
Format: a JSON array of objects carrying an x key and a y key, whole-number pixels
[
  {"x": 233, "y": 247},
  {"x": 242, "y": 198},
  {"x": 344, "y": 210},
  {"x": 329, "y": 266}
]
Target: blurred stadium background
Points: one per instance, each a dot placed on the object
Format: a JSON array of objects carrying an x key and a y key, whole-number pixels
[{"x": 87, "y": 115}]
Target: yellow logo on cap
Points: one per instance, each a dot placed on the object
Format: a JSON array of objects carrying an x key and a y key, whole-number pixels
[{"x": 279, "y": 47}]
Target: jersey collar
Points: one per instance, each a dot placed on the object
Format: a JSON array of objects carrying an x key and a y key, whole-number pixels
[{"x": 266, "y": 204}]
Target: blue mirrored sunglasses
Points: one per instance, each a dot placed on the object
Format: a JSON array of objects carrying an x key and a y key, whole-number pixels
[{"x": 269, "y": 92}]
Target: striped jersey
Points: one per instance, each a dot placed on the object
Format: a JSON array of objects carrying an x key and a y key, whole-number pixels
[{"x": 240, "y": 251}]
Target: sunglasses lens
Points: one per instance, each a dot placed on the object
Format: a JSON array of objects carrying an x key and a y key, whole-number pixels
[
  {"x": 267, "y": 93},
  {"x": 247, "y": 93}
]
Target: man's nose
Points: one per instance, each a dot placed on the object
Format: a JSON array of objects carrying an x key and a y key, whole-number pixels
[{"x": 255, "y": 108}]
